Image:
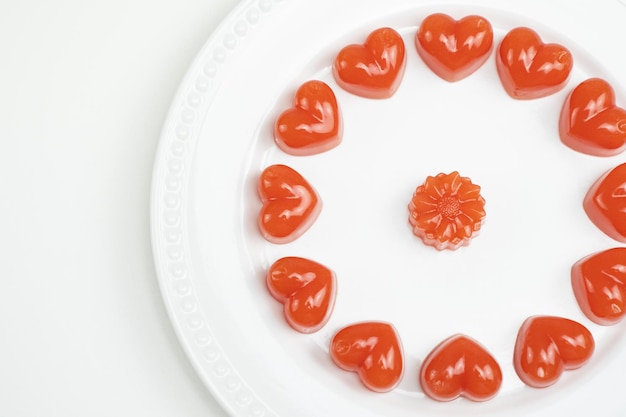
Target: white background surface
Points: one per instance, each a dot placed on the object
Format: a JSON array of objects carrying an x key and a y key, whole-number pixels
[{"x": 84, "y": 90}]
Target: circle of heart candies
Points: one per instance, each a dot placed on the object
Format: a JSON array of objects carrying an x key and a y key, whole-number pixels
[{"x": 590, "y": 122}]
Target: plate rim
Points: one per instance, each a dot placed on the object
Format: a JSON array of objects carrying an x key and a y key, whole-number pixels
[{"x": 169, "y": 172}]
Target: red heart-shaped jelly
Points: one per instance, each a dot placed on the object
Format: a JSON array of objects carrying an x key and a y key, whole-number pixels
[
  {"x": 372, "y": 350},
  {"x": 590, "y": 121},
  {"x": 454, "y": 49},
  {"x": 373, "y": 69},
  {"x": 313, "y": 124},
  {"x": 290, "y": 204},
  {"x": 605, "y": 203},
  {"x": 460, "y": 367},
  {"x": 307, "y": 290},
  {"x": 599, "y": 284},
  {"x": 529, "y": 68},
  {"x": 546, "y": 346}
]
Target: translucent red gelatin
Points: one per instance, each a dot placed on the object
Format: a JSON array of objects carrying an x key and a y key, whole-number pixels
[
  {"x": 447, "y": 211},
  {"x": 371, "y": 349},
  {"x": 529, "y": 68},
  {"x": 546, "y": 346},
  {"x": 460, "y": 367},
  {"x": 605, "y": 203},
  {"x": 454, "y": 49},
  {"x": 307, "y": 290},
  {"x": 373, "y": 69},
  {"x": 591, "y": 122},
  {"x": 290, "y": 204},
  {"x": 599, "y": 284},
  {"x": 313, "y": 124}
]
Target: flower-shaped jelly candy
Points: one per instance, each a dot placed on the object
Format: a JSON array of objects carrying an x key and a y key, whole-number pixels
[{"x": 447, "y": 211}]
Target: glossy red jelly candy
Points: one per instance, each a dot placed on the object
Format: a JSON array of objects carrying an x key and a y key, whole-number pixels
[
  {"x": 307, "y": 290},
  {"x": 529, "y": 68},
  {"x": 371, "y": 349},
  {"x": 447, "y": 211},
  {"x": 460, "y": 367},
  {"x": 373, "y": 69},
  {"x": 313, "y": 125},
  {"x": 454, "y": 49},
  {"x": 290, "y": 204},
  {"x": 590, "y": 121},
  {"x": 546, "y": 346},
  {"x": 599, "y": 284},
  {"x": 605, "y": 203}
]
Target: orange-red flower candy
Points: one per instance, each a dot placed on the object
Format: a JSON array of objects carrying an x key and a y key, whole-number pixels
[{"x": 447, "y": 211}]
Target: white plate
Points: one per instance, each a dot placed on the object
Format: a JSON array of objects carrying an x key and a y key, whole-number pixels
[{"x": 211, "y": 259}]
